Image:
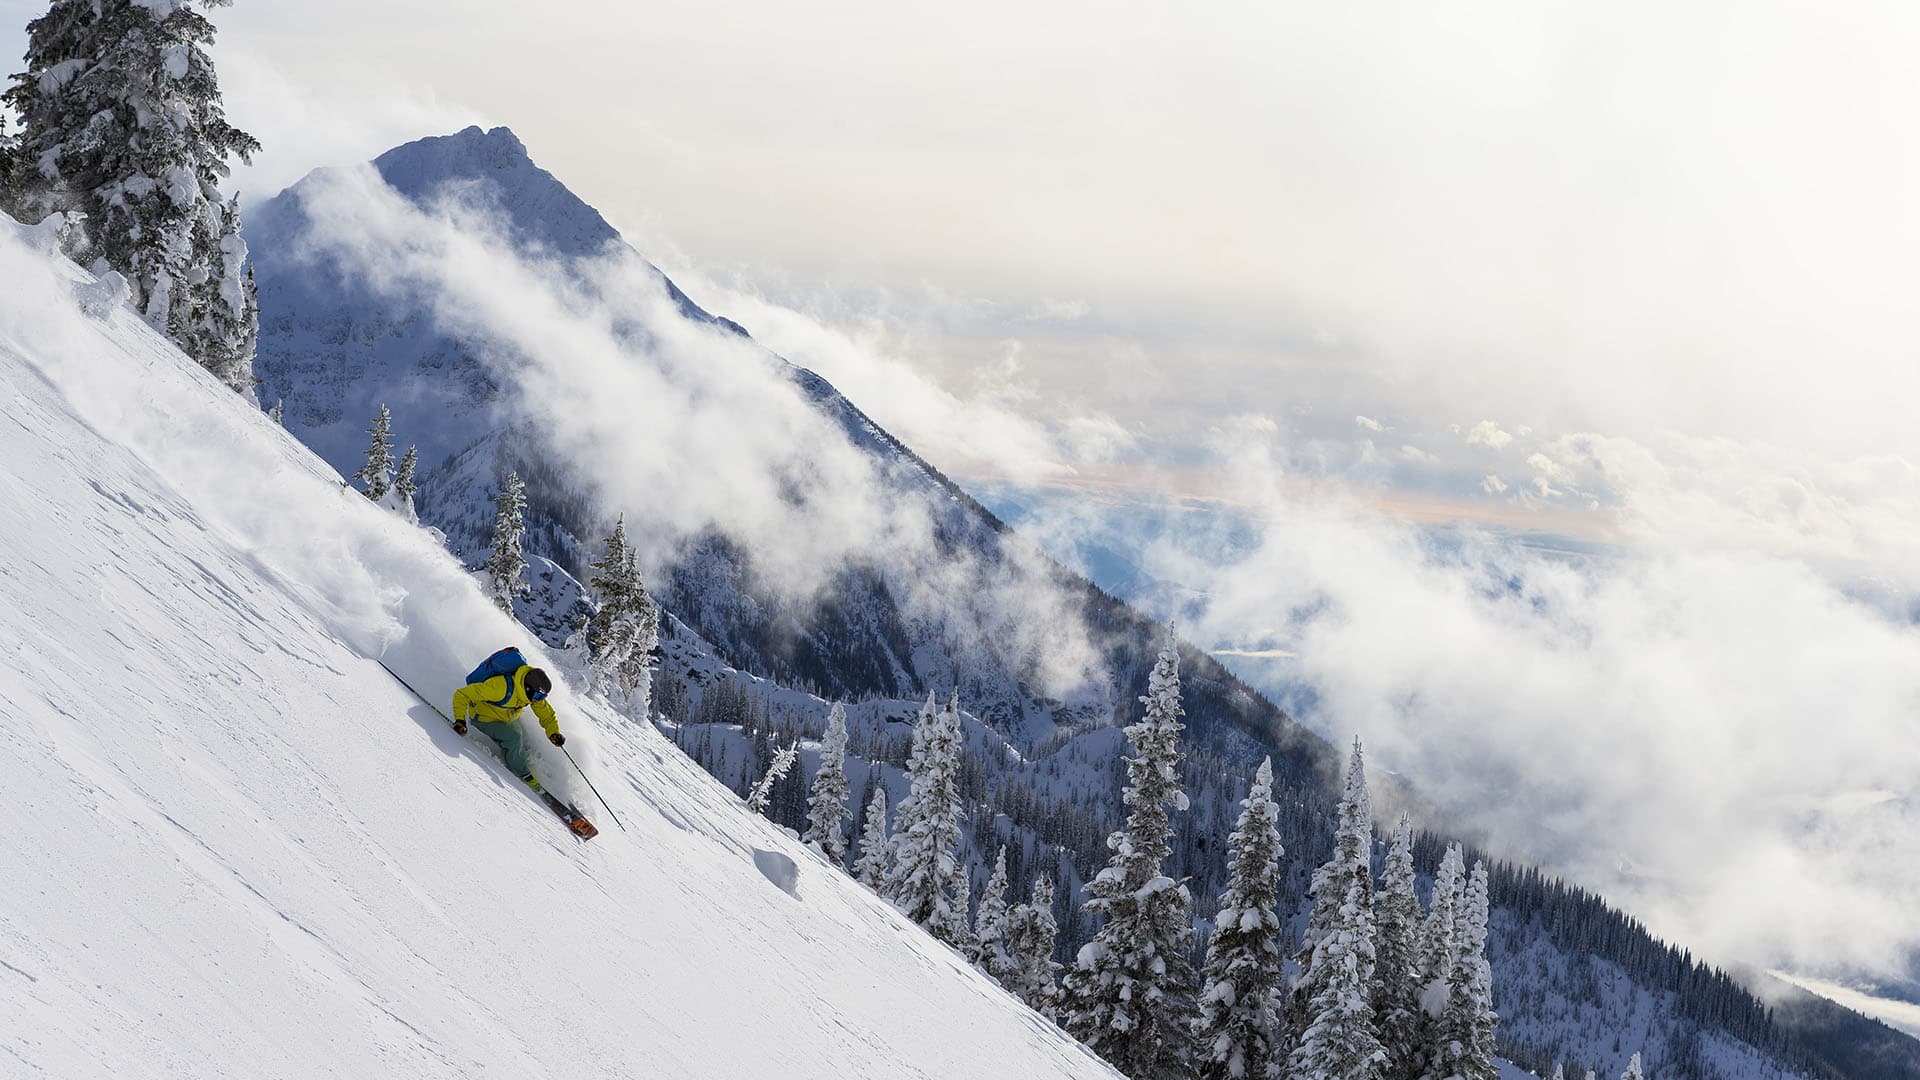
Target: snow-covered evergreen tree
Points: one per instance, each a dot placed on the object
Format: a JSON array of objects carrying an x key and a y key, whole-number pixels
[
  {"x": 277, "y": 414},
  {"x": 1464, "y": 1033},
  {"x": 507, "y": 566},
  {"x": 1129, "y": 994},
  {"x": 10, "y": 167},
  {"x": 1397, "y": 959},
  {"x": 1633, "y": 1069},
  {"x": 927, "y": 881},
  {"x": 1243, "y": 971},
  {"x": 827, "y": 810},
  {"x": 625, "y": 628},
  {"x": 1031, "y": 933},
  {"x": 783, "y": 760},
  {"x": 870, "y": 869},
  {"x": 1559, "y": 1071},
  {"x": 1439, "y": 947},
  {"x": 376, "y": 476},
  {"x": 991, "y": 952},
  {"x": 122, "y": 123},
  {"x": 1334, "y": 994},
  {"x": 403, "y": 481}
]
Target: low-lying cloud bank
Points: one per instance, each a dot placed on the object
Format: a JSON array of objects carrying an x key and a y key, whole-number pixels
[{"x": 1711, "y": 723}]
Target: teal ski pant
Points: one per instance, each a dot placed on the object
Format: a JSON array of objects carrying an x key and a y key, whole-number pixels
[{"x": 506, "y": 735}]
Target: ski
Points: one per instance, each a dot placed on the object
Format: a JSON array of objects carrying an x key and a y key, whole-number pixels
[{"x": 576, "y": 822}]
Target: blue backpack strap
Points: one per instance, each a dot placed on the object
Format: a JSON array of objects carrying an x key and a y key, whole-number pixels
[{"x": 502, "y": 703}]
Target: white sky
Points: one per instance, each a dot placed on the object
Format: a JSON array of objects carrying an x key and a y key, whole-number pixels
[{"x": 1642, "y": 269}]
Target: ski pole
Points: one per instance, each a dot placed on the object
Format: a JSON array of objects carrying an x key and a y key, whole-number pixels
[
  {"x": 595, "y": 790},
  {"x": 415, "y": 693}
]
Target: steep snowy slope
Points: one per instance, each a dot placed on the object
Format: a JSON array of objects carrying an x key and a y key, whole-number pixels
[{"x": 236, "y": 848}]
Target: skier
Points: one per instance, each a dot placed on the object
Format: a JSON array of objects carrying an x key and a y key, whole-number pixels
[{"x": 494, "y": 703}]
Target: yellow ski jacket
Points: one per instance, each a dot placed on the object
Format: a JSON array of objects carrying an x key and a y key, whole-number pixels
[{"x": 478, "y": 700}]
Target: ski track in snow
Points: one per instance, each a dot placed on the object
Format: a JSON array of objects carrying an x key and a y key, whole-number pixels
[{"x": 236, "y": 848}]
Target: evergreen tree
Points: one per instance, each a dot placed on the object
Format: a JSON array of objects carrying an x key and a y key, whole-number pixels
[
  {"x": 123, "y": 127},
  {"x": 870, "y": 869},
  {"x": 1439, "y": 948},
  {"x": 1464, "y": 1044},
  {"x": 1559, "y": 1071},
  {"x": 1397, "y": 941},
  {"x": 403, "y": 483},
  {"x": 1334, "y": 993},
  {"x": 783, "y": 760},
  {"x": 10, "y": 168},
  {"x": 827, "y": 802},
  {"x": 990, "y": 949},
  {"x": 1031, "y": 933},
  {"x": 1633, "y": 1069},
  {"x": 1129, "y": 995},
  {"x": 277, "y": 414},
  {"x": 376, "y": 476},
  {"x": 507, "y": 565},
  {"x": 927, "y": 881},
  {"x": 1235, "y": 1028},
  {"x": 624, "y": 630}
]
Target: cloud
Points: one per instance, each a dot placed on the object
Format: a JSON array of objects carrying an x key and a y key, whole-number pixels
[
  {"x": 1053, "y": 310},
  {"x": 692, "y": 428},
  {"x": 1369, "y": 423},
  {"x": 1488, "y": 434},
  {"x": 1711, "y": 724}
]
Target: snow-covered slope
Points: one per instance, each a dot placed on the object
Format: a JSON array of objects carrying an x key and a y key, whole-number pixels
[{"x": 236, "y": 848}]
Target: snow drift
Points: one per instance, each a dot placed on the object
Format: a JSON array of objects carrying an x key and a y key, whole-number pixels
[{"x": 236, "y": 848}]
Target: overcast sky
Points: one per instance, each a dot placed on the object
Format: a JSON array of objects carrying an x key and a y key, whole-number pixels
[{"x": 1640, "y": 271}]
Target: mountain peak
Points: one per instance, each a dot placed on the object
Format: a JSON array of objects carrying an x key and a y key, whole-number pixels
[{"x": 493, "y": 165}]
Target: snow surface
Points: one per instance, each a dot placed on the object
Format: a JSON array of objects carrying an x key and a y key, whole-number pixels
[{"x": 238, "y": 849}]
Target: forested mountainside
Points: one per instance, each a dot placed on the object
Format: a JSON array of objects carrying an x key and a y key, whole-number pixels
[{"x": 748, "y": 665}]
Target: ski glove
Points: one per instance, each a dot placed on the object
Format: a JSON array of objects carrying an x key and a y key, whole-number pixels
[
  {"x": 459, "y": 727},
  {"x": 558, "y": 739}
]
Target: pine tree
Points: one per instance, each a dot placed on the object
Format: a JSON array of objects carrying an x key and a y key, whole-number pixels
[
  {"x": 1243, "y": 971},
  {"x": 1031, "y": 933},
  {"x": 991, "y": 953},
  {"x": 1464, "y": 1034},
  {"x": 123, "y": 125},
  {"x": 1129, "y": 994},
  {"x": 783, "y": 760},
  {"x": 507, "y": 565},
  {"x": 1559, "y": 1071},
  {"x": 10, "y": 167},
  {"x": 927, "y": 882},
  {"x": 277, "y": 414},
  {"x": 827, "y": 802},
  {"x": 1439, "y": 947},
  {"x": 403, "y": 483},
  {"x": 1334, "y": 994},
  {"x": 870, "y": 869},
  {"x": 1633, "y": 1069},
  {"x": 376, "y": 476},
  {"x": 1397, "y": 941},
  {"x": 625, "y": 628}
]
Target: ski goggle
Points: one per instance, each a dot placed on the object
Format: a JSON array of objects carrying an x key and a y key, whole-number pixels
[{"x": 536, "y": 695}]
